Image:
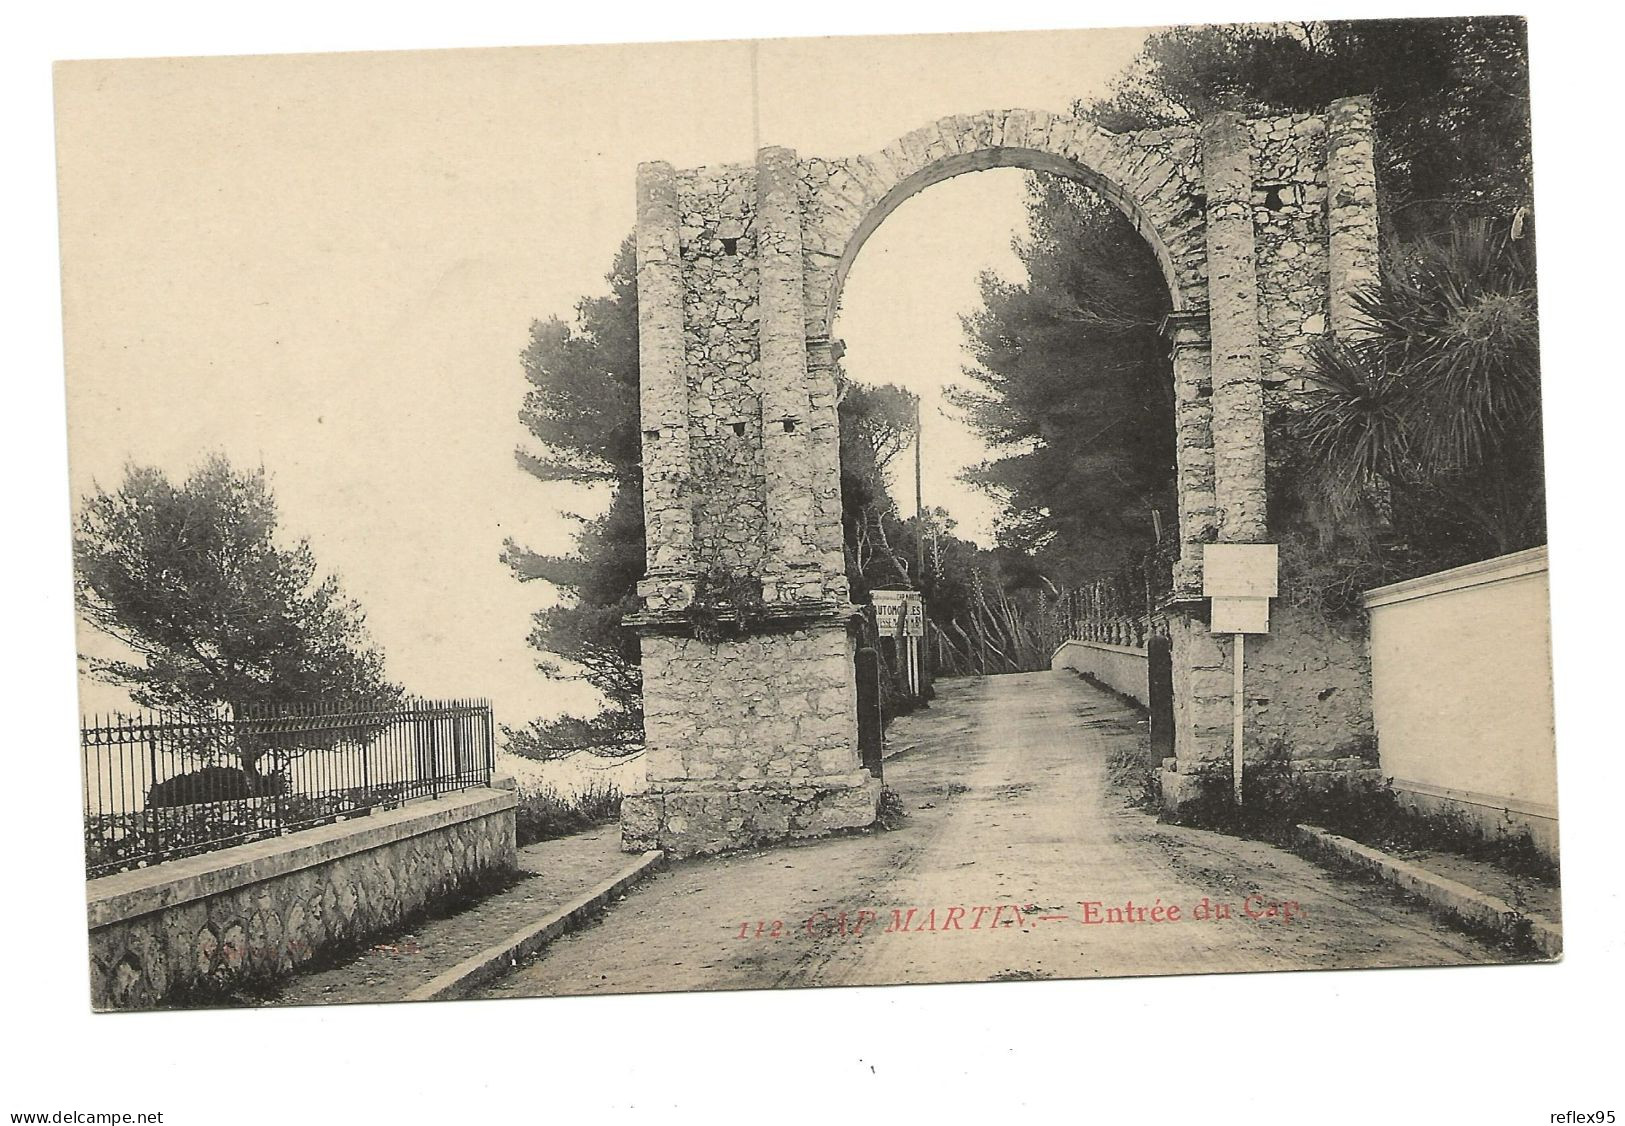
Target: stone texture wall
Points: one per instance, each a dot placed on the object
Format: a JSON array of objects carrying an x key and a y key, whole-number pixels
[
  {"x": 749, "y": 739},
  {"x": 1307, "y": 691},
  {"x": 1290, "y": 249},
  {"x": 770, "y": 706},
  {"x": 258, "y": 911},
  {"x": 721, "y": 314}
]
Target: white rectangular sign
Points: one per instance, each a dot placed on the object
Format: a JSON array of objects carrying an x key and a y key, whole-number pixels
[
  {"x": 889, "y": 605},
  {"x": 1240, "y": 570},
  {"x": 914, "y": 615},
  {"x": 1240, "y": 615}
]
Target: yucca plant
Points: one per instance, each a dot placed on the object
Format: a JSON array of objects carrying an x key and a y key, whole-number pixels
[
  {"x": 1437, "y": 397},
  {"x": 1455, "y": 323},
  {"x": 1354, "y": 430}
]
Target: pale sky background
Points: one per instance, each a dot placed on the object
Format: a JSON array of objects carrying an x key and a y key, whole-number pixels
[{"x": 328, "y": 264}]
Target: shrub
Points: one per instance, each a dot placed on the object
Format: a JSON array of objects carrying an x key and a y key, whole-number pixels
[
  {"x": 213, "y": 784},
  {"x": 1130, "y": 771},
  {"x": 1274, "y": 801},
  {"x": 890, "y": 814},
  {"x": 544, "y": 814}
]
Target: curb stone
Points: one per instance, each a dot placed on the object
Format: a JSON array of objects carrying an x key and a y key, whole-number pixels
[
  {"x": 496, "y": 960},
  {"x": 1468, "y": 905}
]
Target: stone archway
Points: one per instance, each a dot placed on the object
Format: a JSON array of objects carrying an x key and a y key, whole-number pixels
[{"x": 1263, "y": 227}]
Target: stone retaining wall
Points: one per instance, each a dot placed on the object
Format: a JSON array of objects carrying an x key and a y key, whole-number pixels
[{"x": 257, "y": 911}]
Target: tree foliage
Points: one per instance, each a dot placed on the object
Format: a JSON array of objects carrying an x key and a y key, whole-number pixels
[
  {"x": 877, "y": 424},
  {"x": 191, "y": 577},
  {"x": 582, "y": 408},
  {"x": 1071, "y": 387},
  {"x": 1450, "y": 100}
]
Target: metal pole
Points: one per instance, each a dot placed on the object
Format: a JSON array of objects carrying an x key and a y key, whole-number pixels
[
  {"x": 153, "y": 828},
  {"x": 919, "y": 503},
  {"x": 1236, "y": 715}
]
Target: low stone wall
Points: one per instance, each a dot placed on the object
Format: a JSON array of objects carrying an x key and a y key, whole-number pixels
[
  {"x": 1122, "y": 668},
  {"x": 1461, "y": 667},
  {"x": 257, "y": 911}
]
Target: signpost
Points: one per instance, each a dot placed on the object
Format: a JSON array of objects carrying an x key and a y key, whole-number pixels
[
  {"x": 1240, "y": 579},
  {"x": 913, "y": 631},
  {"x": 900, "y": 615}
]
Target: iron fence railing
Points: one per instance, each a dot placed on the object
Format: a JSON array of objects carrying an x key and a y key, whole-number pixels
[{"x": 159, "y": 786}]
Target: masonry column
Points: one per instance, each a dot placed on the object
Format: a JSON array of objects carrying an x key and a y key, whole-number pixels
[
  {"x": 1238, "y": 403},
  {"x": 825, "y": 482},
  {"x": 1352, "y": 254},
  {"x": 1187, "y": 337},
  {"x": 1351, "y": 210},
  {"x": 795, "y": 421},
  {"x": 1199, "y": 712},
  {"x": 749, "y": 701},
  {"x": 663, "y": 395},
  {"x": 1201, "y": 663}
]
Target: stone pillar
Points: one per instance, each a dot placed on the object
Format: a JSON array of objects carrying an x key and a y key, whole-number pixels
[
  {"x": 750, "y": 704},
  {"x": 1187, "y": 336},
  {"x": 790, "y": 560},
  {"x": 828, "y": 537},
  {"x": 663, "y": 395},
  {"x": 1200, "y": 675},
  {"x": 1351, "y": 210},
  {"x": 1238, "y": 403},
  {"x": 803, "y": 561},
  {"x": 751, "y": 738}
]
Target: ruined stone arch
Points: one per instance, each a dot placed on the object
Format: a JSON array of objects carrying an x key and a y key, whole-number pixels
[
  {"x": 1150, "y": 177},
  {"x": 1264, "y": 229}
]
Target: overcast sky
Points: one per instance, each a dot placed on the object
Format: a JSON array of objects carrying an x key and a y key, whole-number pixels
[{"x": 328, "y": 264}]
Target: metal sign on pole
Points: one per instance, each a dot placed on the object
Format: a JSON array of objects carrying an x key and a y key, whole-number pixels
[
  {"x": 891, "y": 617},
  {"x": 1240, "y": 579},
  {"x": 913, "y": 631},
  {"x": 913, "y": 614}
]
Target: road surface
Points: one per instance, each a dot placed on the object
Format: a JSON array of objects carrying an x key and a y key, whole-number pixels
[{"x": 1016, "y": 860}]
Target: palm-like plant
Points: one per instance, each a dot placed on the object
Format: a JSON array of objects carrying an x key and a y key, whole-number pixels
[
  {"x": 1456, "y": 323},
  {"x": 1440, "y": 389},
  {"x": 1353, "y": 429}
]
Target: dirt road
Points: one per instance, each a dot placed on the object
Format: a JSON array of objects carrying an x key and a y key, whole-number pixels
[{"x": 1015, "y": 861}]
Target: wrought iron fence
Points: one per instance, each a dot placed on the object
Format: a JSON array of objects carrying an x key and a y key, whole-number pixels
[{"x": 158, "y": 786}]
